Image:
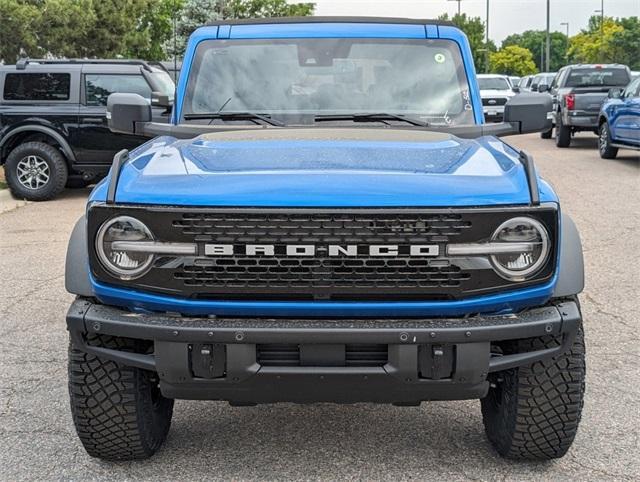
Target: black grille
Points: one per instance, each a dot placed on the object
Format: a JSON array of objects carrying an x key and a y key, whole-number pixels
[
  {"x": 320, "y": 272},
  {"x": 288, "y": 355},
  {"x": 319, "y": 277},
  {"x": 494, "y": 101}
]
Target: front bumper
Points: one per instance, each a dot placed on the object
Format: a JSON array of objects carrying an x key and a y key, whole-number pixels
[
  {"x": 493, "y": 113},
  {"x": 425, "y": 359}
]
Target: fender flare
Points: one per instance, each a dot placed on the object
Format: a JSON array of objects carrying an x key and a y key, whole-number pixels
[
  {"x": 76, "y": 271},
  {"x": 59, "y": 138},
  {"x": 571, "y": 267}
]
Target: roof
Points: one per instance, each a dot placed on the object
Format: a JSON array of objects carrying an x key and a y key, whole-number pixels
[{"x": 313, "y": 19}]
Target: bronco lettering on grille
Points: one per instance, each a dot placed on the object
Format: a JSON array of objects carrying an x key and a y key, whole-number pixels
[{"x": 332, "y": 250}]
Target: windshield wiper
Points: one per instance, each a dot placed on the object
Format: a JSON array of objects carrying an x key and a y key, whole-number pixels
[
  {"x": 378, "y": 117},
  {"x": 250, "y": 116}
]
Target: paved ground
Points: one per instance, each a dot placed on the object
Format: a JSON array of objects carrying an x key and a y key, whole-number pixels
[{"x": 436, "y": 441}]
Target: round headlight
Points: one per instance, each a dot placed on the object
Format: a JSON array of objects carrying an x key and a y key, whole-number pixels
[
  {"x": 532, "y": 236},
  {"x": 126, "y": 264}
]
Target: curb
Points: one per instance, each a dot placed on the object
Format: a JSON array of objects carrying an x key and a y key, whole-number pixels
[{"x": 8, "y": 202}]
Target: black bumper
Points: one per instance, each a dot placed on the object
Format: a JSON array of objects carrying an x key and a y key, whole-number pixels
[{"x": 413, "y": 360}]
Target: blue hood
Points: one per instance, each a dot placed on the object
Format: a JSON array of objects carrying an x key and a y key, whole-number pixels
[{"x": 324, "y": 167}]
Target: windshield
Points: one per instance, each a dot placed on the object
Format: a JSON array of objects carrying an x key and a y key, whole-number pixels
[
  {"x": 493, "y": 83},
  {"x": 595, "y": 77},
  {"x": 322, "y": 76},
  {"x": 164, "y": 83}
]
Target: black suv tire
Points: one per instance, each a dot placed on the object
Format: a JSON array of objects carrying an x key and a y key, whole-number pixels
[
  {"x": 563, "y": 133},
  {"x": 607, "y": 151},
  {"x": 533, "y": 412},
  {"x": 118, "y": 411},
  {"x": 51, "y": 163}
]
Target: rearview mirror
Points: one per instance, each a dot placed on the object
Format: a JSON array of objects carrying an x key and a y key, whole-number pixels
[
  {"x": 615, "y": 93},
  {"x": 127, "y": 112},
  {"x": 543, "y": 88},
  {"x": 531, "y": 112},
  {"x": 516, "y": 89}
]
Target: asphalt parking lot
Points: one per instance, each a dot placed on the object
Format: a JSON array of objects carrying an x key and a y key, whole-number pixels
[{"x": 443, "y": 440}]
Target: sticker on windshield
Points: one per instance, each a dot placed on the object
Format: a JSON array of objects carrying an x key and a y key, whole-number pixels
[{"x": 440, "y": 58}]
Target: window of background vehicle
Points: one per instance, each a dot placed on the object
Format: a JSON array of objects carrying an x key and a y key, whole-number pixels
[
  {"x": 633, "y": 89},
  {"x": 99, "y": 86},
  {"x": 164, "y": 83},
  {"x": 493, "y": 83},
  {"x": 598, "y": 77},
  {"x": 331, "y": 76},
  {"x": 37, "y": 86}
]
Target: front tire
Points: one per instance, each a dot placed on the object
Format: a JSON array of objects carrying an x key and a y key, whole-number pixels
[
  {"x": 563, "y": 133},
  {"x": 36, "y": 171},
  {"x": 607, "y": 151},
  {"x": 533, "y": 412},
  {"x": 118, "y": 411}
]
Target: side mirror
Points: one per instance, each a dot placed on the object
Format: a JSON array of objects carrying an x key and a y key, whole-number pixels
[
  {"x": 160, "y": 100},
  {"x": 126, "y": 111},
  {"x": 543, "y": 88},
  {"x": 615, "y": 93},
  {"x": 531, "y": 112},
  {"x": 534, "y": 87},
  {"x": 516, "y": 89}
]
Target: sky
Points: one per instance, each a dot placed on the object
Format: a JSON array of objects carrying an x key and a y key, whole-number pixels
[{"x": 506, "y": 16}]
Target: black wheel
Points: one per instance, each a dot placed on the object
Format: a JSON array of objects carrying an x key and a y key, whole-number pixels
[
  {"x": 563, "y": 133},
  {"x": 36, "y": 171},
  {"x": 533, "y": 412},
  {"x": 546, "y": 134},
  {"x": 607, "y": 151},
  {"x": 118, "y": 411}
]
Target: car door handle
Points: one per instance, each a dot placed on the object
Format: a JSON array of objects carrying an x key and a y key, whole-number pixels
[{"x": 93, "y": 120}]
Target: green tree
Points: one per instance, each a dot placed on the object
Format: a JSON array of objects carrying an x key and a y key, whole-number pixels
[
  {"x": 18, "y": 26},
  {"x": 154, "y": 30},
  {"x": 597, "y": 44},
  {"x": 535, "y": 42},
  {"x": 473, "y": 27},
  {"x": 625, "y": 45},
  {"x": 63, "y": 28},
  {"x": 266, "y": 8},
  {"x": 512, "y": 60}
]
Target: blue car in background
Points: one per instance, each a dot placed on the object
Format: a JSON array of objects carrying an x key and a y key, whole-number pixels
[{"x": 619, "y": 122}]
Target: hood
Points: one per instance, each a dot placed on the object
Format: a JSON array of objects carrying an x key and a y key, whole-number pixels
[{"x": 322, "y": 167}]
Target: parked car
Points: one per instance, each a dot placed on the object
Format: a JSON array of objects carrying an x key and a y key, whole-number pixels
[
  {"x": 327, "y": 218},
  {"x": 635, "y": 74},
  {"x": 544, "y": 79},
  {"x": 53, "y": 120},
  {"x": 495, "y": 91},
  {"x": 619, "y": 121},
  {"x": 525, "y": 83},
  {"x": 578, "y": 92}
]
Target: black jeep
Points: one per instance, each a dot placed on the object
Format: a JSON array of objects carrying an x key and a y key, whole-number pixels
[{"x": 53, "y": 120}]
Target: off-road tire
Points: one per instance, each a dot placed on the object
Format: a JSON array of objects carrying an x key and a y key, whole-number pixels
[
  {"x": 118, "y": 411},
  {"x": 56, "y": 162},
  {"x": 563, "y": 133},
  {"x": 546, "y": 134},
  {"x": 533, "y": 412},
  {"x": 606, "y": 150}
]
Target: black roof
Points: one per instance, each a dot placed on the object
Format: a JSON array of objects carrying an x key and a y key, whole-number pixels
[{"x": 313, "y": 19}]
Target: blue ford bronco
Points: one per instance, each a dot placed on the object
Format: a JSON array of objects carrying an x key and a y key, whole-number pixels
[{"x": 327, "y": 218}]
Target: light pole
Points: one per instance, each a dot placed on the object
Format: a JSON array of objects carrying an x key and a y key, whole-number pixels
[
  {"x": 566, "y": 24},
  {"x": 548, "y": 52},
  {"x": 486, "y": 41},
  {"x": 459, "y": 2},
  {"x": 601, "y": 12}
]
